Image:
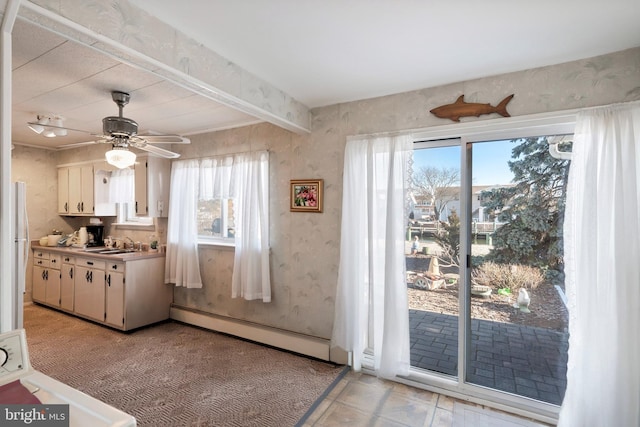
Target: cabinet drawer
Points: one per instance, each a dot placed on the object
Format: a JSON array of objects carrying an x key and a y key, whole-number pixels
[
  {"x": 41, "y": 262},
  {"x": 55, "y": 261},
  {"x": 66, "y": 259},
  {"x": 115, "y": 266},
  {"x": 91, "y": 263},
  {"x": 41, "y": 254}
]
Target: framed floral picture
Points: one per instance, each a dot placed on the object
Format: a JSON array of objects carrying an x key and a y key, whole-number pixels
[{"x": 306, "y": 195}]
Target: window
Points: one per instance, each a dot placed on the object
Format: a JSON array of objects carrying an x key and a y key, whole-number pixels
[
  {"x": 216, "y": 221},
  {"x": 122, "y": 192},
  {"x": 127, "y": 216}
]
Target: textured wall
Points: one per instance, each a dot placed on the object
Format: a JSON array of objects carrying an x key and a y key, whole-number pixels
[{"x": 305, "y": 246}]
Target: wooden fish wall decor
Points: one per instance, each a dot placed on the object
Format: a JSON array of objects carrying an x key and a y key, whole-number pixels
[{"x": 465, "y": 109}]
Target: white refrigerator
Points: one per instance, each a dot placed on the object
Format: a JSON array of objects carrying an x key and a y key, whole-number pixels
[{"x": 20, "y": 254}]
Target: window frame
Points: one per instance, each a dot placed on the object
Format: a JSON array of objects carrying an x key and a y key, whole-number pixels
[{"x": 126, "y": 217}]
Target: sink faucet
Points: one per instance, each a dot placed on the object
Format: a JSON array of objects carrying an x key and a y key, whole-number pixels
[{"x": 130, "y": 240}]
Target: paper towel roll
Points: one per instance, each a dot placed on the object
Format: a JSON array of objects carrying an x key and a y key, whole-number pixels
[{"x": 83, "y": 236}]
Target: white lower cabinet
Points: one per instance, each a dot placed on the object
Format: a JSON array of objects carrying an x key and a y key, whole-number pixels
[
  {"x": 115, "y": 295},
  {"x": 123, "y": 294},
  {"x": 67, "y": 282},
  {"x": 46, "y": 278},
  {"x": 89, "y": 294}
]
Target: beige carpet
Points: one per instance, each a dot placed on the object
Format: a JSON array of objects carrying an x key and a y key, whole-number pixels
[{"x": 173, "y": 374}]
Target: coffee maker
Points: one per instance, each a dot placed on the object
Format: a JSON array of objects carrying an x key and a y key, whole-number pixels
[{"x": 96, "y": 235}]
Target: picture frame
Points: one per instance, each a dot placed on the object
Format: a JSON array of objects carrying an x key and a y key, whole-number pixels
[{"x": 307, "y": 195}]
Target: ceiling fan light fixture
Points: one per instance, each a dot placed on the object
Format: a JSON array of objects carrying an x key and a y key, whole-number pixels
[
  {"x": 120, "y": 157},
  {"x": 49, "y": 133},
  {"x": 39, "y": 126},
  {"x": 58, "y": 130}
]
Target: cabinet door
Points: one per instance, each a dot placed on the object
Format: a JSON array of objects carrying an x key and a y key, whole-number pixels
[
  {"x": 115, "y": 299},
  {"x": 66, "y": 286},
  {"x": 75, "y": 190},
  {"x": 63, "y": 190},
  {"x": 140, "y": 170},
  {"x": 89, "y": 298},
  {"x": 52, "y": 293},
  {"x": 39, "y": 290},
  {"x": 87, "y": 201}
]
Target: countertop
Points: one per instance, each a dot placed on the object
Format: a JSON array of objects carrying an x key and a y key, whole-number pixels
[{"x": 81, "y": 252}]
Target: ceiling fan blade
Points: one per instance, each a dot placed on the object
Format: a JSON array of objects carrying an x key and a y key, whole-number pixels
[
  {"x": 58, "y": 127},
  {"x": 161, "y": 152},
  {"x": 165, "y": 139}
]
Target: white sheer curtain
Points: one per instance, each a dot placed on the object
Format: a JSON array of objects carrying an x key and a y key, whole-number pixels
[
  {"x": 122, "y": 186},
  {"x": 602, "y": 258},
  {"x": 245, "y": 179},
  {"x": 182, "y": 265},
  {"x": 372, "y": 293},
  {"x": 250, "y": 188}
]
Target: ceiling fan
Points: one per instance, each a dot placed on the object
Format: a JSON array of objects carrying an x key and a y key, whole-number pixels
[{"x": 122, "y": 133}]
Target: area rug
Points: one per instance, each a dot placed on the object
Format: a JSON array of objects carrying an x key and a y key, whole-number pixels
[{"x": 172, "y": 374}]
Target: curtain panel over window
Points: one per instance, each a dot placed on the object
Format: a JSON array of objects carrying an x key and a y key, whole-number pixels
[
  {"x": 371, "y": 301},
  {"x": 243, "y": 177},
  {"x": 602, "y": 250},
  {"x": 182, "y": 266}
]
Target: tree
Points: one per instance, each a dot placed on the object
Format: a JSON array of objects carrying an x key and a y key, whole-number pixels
[
  {"x": 532, "y": 209},
  {"x": 449, "y": 241},
  {"x": 437, "y": 185}
]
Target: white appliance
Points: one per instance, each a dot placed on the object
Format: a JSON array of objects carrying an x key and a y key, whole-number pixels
[
  {"x": 20, "y": 227},
  {"x": 84, "y": 410}
]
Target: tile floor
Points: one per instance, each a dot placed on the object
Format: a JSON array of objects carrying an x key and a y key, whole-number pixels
[{"x": 364, "y": 400}]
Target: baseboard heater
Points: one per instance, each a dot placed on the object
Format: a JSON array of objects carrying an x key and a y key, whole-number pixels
[{"x": 286, "y": 340}]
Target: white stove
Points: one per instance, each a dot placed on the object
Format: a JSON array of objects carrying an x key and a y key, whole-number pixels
[{"x": 84, "y": 410}]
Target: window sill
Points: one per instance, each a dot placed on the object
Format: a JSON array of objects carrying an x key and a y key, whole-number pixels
[
  {"x": 230, "y": 246},
  {"x": 133, "y": 226}
]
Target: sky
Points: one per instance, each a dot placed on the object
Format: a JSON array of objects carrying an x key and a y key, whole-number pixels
[{"x": 489, "y": 165}]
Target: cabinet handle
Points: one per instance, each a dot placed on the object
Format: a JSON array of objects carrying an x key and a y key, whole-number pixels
[
  {"x": 136, "y": 206},
  {"x": 46, "y": 275},
  {"x": 115, "y": 266},
  {"x": 89, "y": 262},
  {"x": 66, "y": 206},
  {"x": 82, "y": 206},
  {"x": 86, "y": 276},
  {"x": 40, "y": 262},
  {"x": 71, "y": 273},
  {"x": 109, "y": 280},
  {"x": 91, "y": 276},
  {"x": 53, "y": 261},
  {"x": 79, "y": 207},
  {"x": 43, "y": 274}
]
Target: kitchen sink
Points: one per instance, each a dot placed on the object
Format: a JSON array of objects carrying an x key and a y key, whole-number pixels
[
  {"x": 107, "y": 251},
  {"x": 115, "y": 251}
]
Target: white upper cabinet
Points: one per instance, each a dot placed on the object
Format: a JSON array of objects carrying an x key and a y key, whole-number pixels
[{"x": 152, "y": 177}]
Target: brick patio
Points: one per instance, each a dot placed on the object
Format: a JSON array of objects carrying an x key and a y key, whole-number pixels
[{"x": 528, "y": 361}]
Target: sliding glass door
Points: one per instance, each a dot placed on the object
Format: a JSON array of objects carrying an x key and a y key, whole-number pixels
[{"x": 484, "y": 267}]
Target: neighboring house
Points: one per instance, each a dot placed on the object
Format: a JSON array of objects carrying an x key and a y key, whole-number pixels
[{"x": 423, "y": 208}]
